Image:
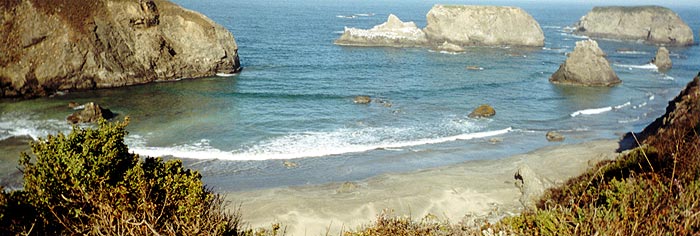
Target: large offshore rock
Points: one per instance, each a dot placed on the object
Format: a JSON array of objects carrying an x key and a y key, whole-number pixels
[
  {"x": 651, "y": 24},
  {"x": 586, "y": 66},
  {"x": 392, "y": 33},
  {"x": 50, "y": 46},
  {"x": 483, "y": 26}
]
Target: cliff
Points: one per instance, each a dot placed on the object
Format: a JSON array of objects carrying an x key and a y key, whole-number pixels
[
  {"x": 483, "y": 26},
  {"x": 51, "y": 46},
  {"x": 651, "y": 24}
]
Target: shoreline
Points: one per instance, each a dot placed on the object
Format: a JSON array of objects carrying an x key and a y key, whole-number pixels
[{"x": 480, "y": 189}]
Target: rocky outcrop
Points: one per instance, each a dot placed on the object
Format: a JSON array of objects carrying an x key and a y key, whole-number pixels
[
  {"x": 651, "y": 24},
  {"x": 51, "y": 46},
  {"x": 392, "y": 33},
  {"x": 586, "y": 66},
  {"x": 483, "y": 111},
  {"x": 531, "y": 185},
  {"x": 483, "y": 26},
  {"x": 662, "y": 60},
  {"x": 91, "y": 113}
]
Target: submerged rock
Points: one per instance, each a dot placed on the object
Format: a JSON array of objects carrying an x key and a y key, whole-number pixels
[
  {"x": 90, "y": 114},
  {"x": 483, "y": 111},
  {"x": 392, "y": 33},
  {"x": 662, "y": 60},
  {"x": 554, "y": 136},
  {"x": 586, "y": 66},
  {"x": 651, "y": 24},
  {"x": 362, "y": 100},
  {"x": 483, "y": 26},
  {"x": 450, "y": 47},
  {"x": 106, "y": 43}
]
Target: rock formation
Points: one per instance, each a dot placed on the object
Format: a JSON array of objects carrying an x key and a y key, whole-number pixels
[
  {"x": 90, "y": 114},
  {"x": 586, "y": 66},
  {"x": 662, "y": 60},
  {"x": 652, "y": 24},
  {"x": 392, "y": 33},
  {"x": 51, "y": 46},
  {"x": 483, "y": 111},
  {"x": 531, "y": 185},
  {"x": 483, "y": 26}
]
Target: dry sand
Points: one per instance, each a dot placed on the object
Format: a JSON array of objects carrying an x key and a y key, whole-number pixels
[{"x": 483, "y": 189}]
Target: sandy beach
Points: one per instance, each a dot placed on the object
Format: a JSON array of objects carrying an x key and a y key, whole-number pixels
[{"x": 477, "y": 189}]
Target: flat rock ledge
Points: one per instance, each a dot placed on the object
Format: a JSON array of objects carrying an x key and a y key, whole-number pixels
[
  {"x": 586, "y": 66},
  {"x": 649, "y": 24},
  {"x": 50, "y": 48},
  {"x": 453, "y": 27}
]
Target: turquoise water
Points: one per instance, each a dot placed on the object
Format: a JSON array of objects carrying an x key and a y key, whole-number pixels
[{"x": 293, "y": 99}]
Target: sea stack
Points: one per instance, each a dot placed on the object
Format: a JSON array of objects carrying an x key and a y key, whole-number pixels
[
  {"x": 586, "y": 66},
  {"x": 483, "y": 26},
  {"x": 650, "y": 24},
  {"x": 76, "y": 45},
  {"x": 662, "y": 60},
  {"x": 392, "y": 33}
]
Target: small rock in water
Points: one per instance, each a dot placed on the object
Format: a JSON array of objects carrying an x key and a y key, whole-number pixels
[
  {"x": 90, "y": 114},
  {"x": 73, "y": 105},
  {"x": 474, "y": 68},
  {"x": 495, "y": 140},
  {"x": 662, "y": 59},
  {"x": 554, "y": 136},
  {"x": 483, "y": 111},
  {"x": 362, "y": 100},
  {"x": 290, "y": 164}
]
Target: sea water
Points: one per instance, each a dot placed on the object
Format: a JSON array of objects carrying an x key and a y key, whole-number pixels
[{"x": 294, "y": 99}]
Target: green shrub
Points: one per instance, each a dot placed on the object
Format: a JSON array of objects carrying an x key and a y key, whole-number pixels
[{"x": 88, "y": 183}]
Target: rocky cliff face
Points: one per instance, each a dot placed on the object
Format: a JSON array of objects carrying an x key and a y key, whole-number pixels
[
  {"x": 483, "y": 26},
  {"x": 61, "y": 45},
  {"x": 392, "y": 33},
  {"x": 586, "y": 66},
  {"x": 651, "y": 24}
]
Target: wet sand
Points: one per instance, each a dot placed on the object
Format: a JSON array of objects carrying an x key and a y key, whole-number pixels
[{"x": 476, "y": 189}]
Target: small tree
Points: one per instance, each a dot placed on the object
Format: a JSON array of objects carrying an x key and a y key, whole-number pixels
[{"x": 87, "y": 182}]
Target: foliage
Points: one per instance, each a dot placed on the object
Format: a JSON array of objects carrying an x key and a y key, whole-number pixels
[{"x": 88, "y": 183}]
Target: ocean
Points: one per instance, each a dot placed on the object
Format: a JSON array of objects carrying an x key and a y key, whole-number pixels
[{"x": 293, "y": 101}]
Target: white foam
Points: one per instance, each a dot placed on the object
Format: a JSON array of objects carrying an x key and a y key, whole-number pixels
[
  {"x": 630, "y": 120},
  {"x": 551, "y": 27},
  {"x": 308, "y": 144},
  {"x": 595, "y": 111},
  {"x": 346, "y": 17},
  {"x": 14, "y": 125},
  {"x": 364, "y": 14},
  {"x": 574, "y": 36},
  {"x": 226, "y": 74},
  {"x": 649, "y": 66},
  {"x": 667, "y": 77},
  {"x": 632, "y": 52}
]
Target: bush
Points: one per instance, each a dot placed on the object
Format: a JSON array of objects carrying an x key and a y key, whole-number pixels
[{"x": 87, "y": 182}]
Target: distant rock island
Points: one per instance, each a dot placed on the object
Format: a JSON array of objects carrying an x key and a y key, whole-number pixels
[
  {"x": 650, "y": 24},
  {"x": 452, "y": 27},
  {"x": 51, "y": 46},
  {"x": 483, "y": 26}
]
